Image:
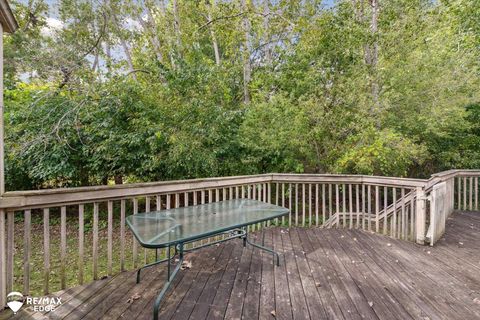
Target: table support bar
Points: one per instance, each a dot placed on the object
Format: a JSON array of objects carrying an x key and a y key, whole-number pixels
[
  {"x": 170, "y": 277},
  {"x": 253, "y": 244},
  {"x": 155, "y": 263}
]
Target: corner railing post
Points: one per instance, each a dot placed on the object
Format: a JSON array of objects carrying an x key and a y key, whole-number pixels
[{"x": 420, "y": 215}]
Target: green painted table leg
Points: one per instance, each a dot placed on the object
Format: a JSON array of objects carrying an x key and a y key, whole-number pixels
[
  {"x": 170, "y": 277},
  {"x": 263, "y": 248}
]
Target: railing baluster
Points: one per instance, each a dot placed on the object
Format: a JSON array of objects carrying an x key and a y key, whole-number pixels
[
  {"x": 385, "y": 207},
  {"x": 109, "y": 237},
  {"x": 337, "y": 205},
  {"x": 344, "y": 204},
  {"x": 122, "y": 232},
  {"x": 309, "y": 204},
  {"x": 350, "y": 205},
  {"x": 63, "y": 245},
  {"x": 296, "y": 204},
  {"x": 323, "y": 205},
  {"x": 412, "y": 216},
  {"x": 283, "y": 201},
  {"x": 269, "y": 192},
  {"x": 10, "y": 249},
  {"x": 369, "y": 190},
  {"x": 403, "y": 214},
  {"x": 290, "y": 204},
  {"x": 377, "y": 209},
  {"x": 394, "y": 214},
  {"x": 459, "y": 192},
  {"x": 464, "y": 193},
  {"x": 95, "y": 240},
  {"x": 303, "y": 205},
  {"x": 81, "y": 239},
  {"x": 27, "y": 251},
  {"x": 46, "y": 250},
  {"x": 470, "y": 193},
  {"x": 135, "y": 244},
  {"x": 476, "y": 193},
  {"x": 357, "y": 205},
  {"x": 317, "y": 222},
  {"x": 363, "y": 206}
]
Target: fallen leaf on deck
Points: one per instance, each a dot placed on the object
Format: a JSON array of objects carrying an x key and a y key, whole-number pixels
[
  {"x": 476, "y": 300},
  {"x": 370, "y": 303},
  {"x": 273, "y": 313},
  {"x": 134, "y": 297},
  {"x": 186, "y": 265},
  {"x": 318, "y": 284}
]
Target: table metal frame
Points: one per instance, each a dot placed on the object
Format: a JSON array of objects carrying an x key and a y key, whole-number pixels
[{"x": 179, "y": 248}]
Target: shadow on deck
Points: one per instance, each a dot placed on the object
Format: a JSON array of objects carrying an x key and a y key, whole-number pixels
[{"x": 324, "y": 274}]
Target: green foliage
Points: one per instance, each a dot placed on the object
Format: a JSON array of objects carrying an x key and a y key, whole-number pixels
[
  {"x": 132, "y": 91},
  {"x": 380, "y": 152}
]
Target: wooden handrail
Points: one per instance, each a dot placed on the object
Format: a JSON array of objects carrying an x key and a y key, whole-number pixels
[{"x": 18, "y": 200}]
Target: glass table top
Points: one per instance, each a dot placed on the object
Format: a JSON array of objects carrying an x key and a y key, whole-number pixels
[{"x": 167, "y": 227}]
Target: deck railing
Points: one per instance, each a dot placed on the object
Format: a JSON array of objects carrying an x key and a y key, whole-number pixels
[{"x": 55, "y": 239}]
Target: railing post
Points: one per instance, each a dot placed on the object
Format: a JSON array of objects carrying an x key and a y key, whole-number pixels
[
  {"x": 3, "y": 262},
  {"x": 420, "y": 215}
]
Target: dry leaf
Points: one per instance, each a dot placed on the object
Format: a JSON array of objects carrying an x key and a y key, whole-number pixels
[
  {"x": 318, "y": 284},
  {"x": 134, "y": 297},
  {"x": 273, "y": 313},
  {"x": 186, "y": 265},
  {"x": 370, "y": 303}
]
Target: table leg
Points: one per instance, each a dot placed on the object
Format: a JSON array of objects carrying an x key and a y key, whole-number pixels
[
  {"x": 170, "y": 277},
  {"x": 156, "y": 262},
  {"x": 245, "y": 241}
]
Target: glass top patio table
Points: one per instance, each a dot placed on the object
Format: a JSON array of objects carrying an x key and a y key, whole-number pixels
[{"x": 168, "y": 227}]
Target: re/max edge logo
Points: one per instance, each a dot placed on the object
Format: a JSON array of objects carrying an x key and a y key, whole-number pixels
[{"x": 15, "y": 300}]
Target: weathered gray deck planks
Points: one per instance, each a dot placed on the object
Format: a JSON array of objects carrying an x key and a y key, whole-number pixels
[{"x": 324, "y": 274}]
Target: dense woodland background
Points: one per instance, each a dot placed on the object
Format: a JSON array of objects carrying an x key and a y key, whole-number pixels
[{"x": 107, "y": 91}]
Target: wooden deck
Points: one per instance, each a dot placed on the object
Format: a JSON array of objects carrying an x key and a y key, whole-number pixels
[{"x": 324, "y": 274}]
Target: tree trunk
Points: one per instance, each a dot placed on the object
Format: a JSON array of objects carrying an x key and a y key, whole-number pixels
[
  {"x": 266, "y": 28},
  {"x": 374, "y": 58},
  {"x": 95, "y": 61},
  {"x": 169, "y": 43},
  {"x": 212, "y": 33},
  {"x": 176, "y": 25},
  {"x": 247, "y": 68},
  {"x": 118, "y": 179},
  {"x": 109, "y": 57},
  {"x": 128, "y": 57},
  {"x": 149, "y": 27}
]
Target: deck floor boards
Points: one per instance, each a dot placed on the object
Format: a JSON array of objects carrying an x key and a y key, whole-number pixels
[{"x": 323, "y": 274}]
